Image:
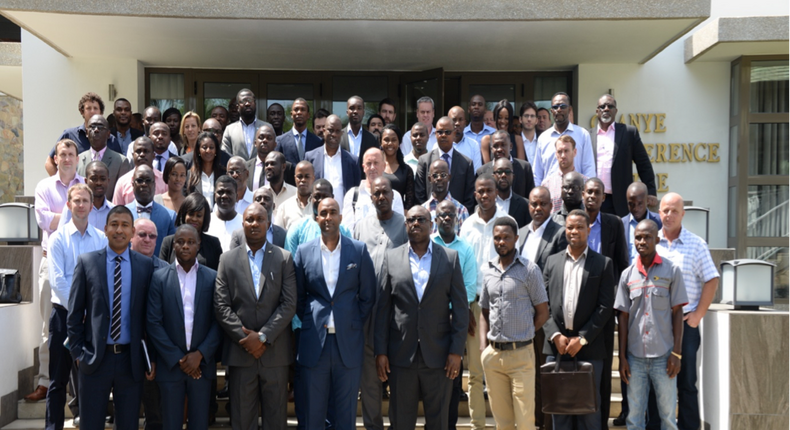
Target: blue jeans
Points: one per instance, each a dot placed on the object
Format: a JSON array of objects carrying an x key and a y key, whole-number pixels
[
  {"x": 643, "y": 372},
  {"x": 688, "y": 395}
]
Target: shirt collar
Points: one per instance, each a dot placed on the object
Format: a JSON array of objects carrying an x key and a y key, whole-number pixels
[
  {"x": 584, "y": 254},
  {"x": 351, "y": 132},
  {"x": 438, "y": 239},
  {"x": 112, "y": 254},
  {"x": 181, "y": 268},
  {"x": 249, "y": 251},
  {"x": 149, "y": 205},
  {"x": 597, "y": 219},
  {"x": 450, "y": 152},
  {"x": 601, "y": 131},
  {"x": 508, "y": 197},
  {"x": 71, "y": 229},
  {"x": 430, "y": 248},
  {"x": 494, "y": 263},
  {"x": 641, "y": 267},
  {"x": 540, "y": 229},
  {"x": 682, "y": 237},
  {"x": 296, "y": 132},
  {"x": 337, "y": 248}
]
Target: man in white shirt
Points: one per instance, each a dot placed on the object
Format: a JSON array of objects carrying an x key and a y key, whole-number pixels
[
  {"x": 224, "y": 218},
  {"x": 274, "y": 169},
  {"x": 237, "y": 169},
  {"x": 239, "y": 137},
  {"x": 463, "y": 144},
  {"x": 529, "y": 134},
  {"x": 358, "y": 203},
  {"x": 333, "y": 163},
  {"x": 425, "y": 114},
  {"x": 301, "y": 205}
]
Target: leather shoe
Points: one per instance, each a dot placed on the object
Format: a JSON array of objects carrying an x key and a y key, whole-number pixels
[
  {"x": 223, "y": 393},
  {"x": 76, "y": 421},
  {"x": 619, "y": 421},
  {"x": 40, "y": 393}
]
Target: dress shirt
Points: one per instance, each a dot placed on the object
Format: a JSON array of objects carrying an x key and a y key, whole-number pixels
[
  {"x": 124, "y": 188},
  {"x": 532, "y": 242},
  {"x": 300, "y": 139},
  {"x": 245, "y": 201},
  {"x": 605, "y": 156},
  {"x": 691, "y": 254},
  {"x": 448, "y": 159},
  {"x": 126, "y": 294},
  {"x": 572, "y": 281},
  {"x": 478, "y": 136},
  {"x": 354, "y": 142},
  {"x": 304, "y": 231},
  {"x": 124, "y": 140},
  {"x": 80, "y": 136},
  {"x": 480, "y": 235},
  {"x": 554, "y": 184},
  {"x": 504, "y": 205},
  {"x": 412, "y": 161},
  {"x": 270, "y": 234},
  {"x": 330, "y": 264},
  {"x": 171, "y": 147},
  {"x": 594, "y": 238},
  {"x": 466, "y": 255},
  {"x": 146, "y": 215},
  {"x": 66, "y": 245},
  {"x": 546, "y": 159},
  {"x": 462, "y": 213},
  {"x": 291, "y": 211},
  {"x": 97, "y": 217},
  {"x": 51, "y": 198},
  {"x": 286, "y": 192},
  {"x": 511, "y": 294},
  {"x": 420, "y": 269},
  {"x": 406, "y": 147},
  {"x": 207, "y": 187},
  {"x": 333, "y": 172},
  {"x": 249, "y": 134},
  {"x": 188, "y": 283},
  {"x": 256, "y": 175},
  {"x": 255, "y": 259},
  {"x": 223, "y": 230},
  {"x": 97, "y": 155},
  {"x": 353, "y": 213},
  {"x": 470, "y": 148},
  {"x": 530, "y": 147},
  {"x": 160, "y": 160}
]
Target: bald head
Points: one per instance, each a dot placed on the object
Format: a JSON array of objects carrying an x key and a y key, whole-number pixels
[
  {"x": 144, "y": 239},
  {"x": 671, "y": 212},
  {"x": 636, "y": 196}
]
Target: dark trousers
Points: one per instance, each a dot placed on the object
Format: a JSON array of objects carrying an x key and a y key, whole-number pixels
[
  {"x": 60, "y": 367},
  {"x": 330, "y": 379},
  {"x": 370, "y": 392},
  {"x": 582, "y": 422},
  {"x": 455, "y": 399},
  {"x": 606, "y": 374},
  {"x": 409, "y": 385},
  {"x": 688, "y": 400},
  {"x": 173, "y": 395},
  {"x": 255, "y": 388},
  {"x": 152, "y": 406},
  {"x": 114, "y": 374},
  {"x": 542, "y": 421}
]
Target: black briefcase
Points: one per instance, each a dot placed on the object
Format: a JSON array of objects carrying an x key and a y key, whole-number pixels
[
  {"x": 568, "y": 388},
  {"x": 9, "y": 286}
]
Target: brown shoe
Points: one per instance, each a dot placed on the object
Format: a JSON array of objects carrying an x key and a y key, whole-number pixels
[{"x": 39, "y": 394}]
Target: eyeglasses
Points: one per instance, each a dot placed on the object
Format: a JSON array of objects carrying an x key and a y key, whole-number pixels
[
  {"x": 417, "y": 219},
  {"x": 439, "y": 175},
  {"x": 445, "y": 215},
  {"x": 559, "y": 106},
  {"x": 444, "y": 132},
  {"x": 607, "y": 105},
  {"x": 234, "y": 172},
  {"x": 503, "y": 172},
  {"x": 143, "y": 181},
  {"x": 142, "y": 235}
]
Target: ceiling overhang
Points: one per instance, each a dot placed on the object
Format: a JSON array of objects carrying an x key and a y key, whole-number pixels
[{"x": 725, "y": 39}]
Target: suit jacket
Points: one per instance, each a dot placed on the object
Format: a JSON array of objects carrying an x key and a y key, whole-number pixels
[
  {"x": 593, "y": 307},
  {"x": 90, "y": 310},
  {"x": 519, "y": 210},
  {"x": 650, "y": 215},
  {"x": 135, "y": 133},
  {"x": 165, "y": 323},
  {"x": 162, "y": 217},
  {"x": 628, "y": 147},
  {"x": 286, "y": 143},
  {"x": 236, "y": 305},
  {"x": 403, "y": 322},
  {"x": 552, "y": 241},
  {"x": 369, "y": 140},
  {"x": 116, "y": 163},
  {"x": 208, "y": 254},
  {"x": 350, "y": 304},
  {"x": 613, "y": 243},
  {"x": 234, "y": 142},
  {"x": 462, "y": 178},
  {"x": 351, "y": 171},
  {"x": 523, "y": 179},
  {"x": 252, "y": 183},
  {"x": 278, "y": 237}
]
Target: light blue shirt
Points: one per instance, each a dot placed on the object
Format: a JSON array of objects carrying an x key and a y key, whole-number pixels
[
  {"x": 65, "y": 247},
  {"x": 479, "y": 136},
  {"x": 354, "y": 142},
  {"x": 304, "y": 137},
  {"x": 420, "y": 269},
  {"x": 256, "y": 264},
  {"x": 546, "y": 159},
  {"x": 466, "y": 255},
  {"x": 126, "y": 294},
  {"x": 97, "y": 217},
  {"x": 594, "y": 239},
  {"x": 470, "y": 148},
  {"x": 124, "y": 141}
]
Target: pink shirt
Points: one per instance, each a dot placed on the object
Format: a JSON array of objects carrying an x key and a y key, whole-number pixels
[
  {"x": 124, "y": 189},
  {"x": 51, "y": 197},
  {"x": 97, "y": 156},
  {"x": 605, "y": 156},
  {"x": 188, "y": 282}
]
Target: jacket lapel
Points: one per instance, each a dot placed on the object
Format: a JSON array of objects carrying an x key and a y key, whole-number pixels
[
  {"x": 175, "y": 291},
  {"x": 105, "y": 292},
  {"x": 323, "y": 289},
  {"x": 548, "y": 234},
  {"x": 266, "y": 269},
  {"x": 434, "y": 269},
  {"x": 618, "y": 139}
]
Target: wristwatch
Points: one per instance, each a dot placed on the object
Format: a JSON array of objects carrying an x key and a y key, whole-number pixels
[
  {"x": 582, "y": 341},
  {"x": 262, "y": 337}
]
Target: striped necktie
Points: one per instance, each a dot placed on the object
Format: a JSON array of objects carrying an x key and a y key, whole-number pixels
[{"x": 115, "y": 327}]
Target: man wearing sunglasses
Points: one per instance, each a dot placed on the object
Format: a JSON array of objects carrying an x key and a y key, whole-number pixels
[
  {"x": 545, "y": 162},
  {"x": 144, "y": 205}
]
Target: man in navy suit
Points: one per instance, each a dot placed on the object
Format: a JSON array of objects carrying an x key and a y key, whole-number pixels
[
  {"x": 336, "y": 285},
  {"x": 183, "y": 330},
  {"x": 106, "y": 324},
  {"x": 356, "y": 139},
  {"x": 333, "y": 163},
  {"x": 299, "y": 141},
  {"x": 144, "y": 205}
]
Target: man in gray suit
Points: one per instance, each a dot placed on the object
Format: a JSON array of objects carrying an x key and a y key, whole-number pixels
[
  {"x": 254, "y": 300},
  {"x": 117, "y": 164},
  {"x": 275, "y": 234},
  {"x": 417, "y": 331},
  {"x": 239, "y": 137}
]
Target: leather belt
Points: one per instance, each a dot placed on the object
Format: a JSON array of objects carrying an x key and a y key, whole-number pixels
[
  {"x": 57, "y": 306},
  {"x": 117, "y": 348},
  {"x": 509, "y": 346}
]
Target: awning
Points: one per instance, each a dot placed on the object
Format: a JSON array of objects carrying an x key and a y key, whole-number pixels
[{"x": 725, "y": 39}]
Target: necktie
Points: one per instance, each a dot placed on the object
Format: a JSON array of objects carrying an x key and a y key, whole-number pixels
[
  {"x": 146, "y": 210},
  {"x": 115, "y": 327},
  {"x": 446, "y": 157},
  {"x": 299, "y": 146},
  {"x": 262, "y": 178},
  {"x": 159, "y": 163}
]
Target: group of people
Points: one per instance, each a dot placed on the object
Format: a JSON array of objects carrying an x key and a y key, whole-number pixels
[{"x": 394, "y": 262}]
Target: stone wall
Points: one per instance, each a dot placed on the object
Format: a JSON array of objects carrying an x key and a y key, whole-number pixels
[{"x": 11, "y": 149}]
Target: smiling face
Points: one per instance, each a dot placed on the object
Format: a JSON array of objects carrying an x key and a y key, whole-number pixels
[
  {"x": 503, "y": 119},
  {"x": 208, "y": 150},
  {"x": 273, "y": 167},
  {"x": 593, "y": 196},
  {"x": 177, "y": 178},
  {"x": 329, "y": 217},
  {"x": 191, "y": 128},
  {"x": 186, "y": 245},
  {"x": 122, "y": 111},
  {"x": 97, "y": 178},
  {"x": 160, "y": 136},
  {"x": 355, "y": 110},
  {"x": 389, "y": 142},
  {"x": 119, "y": 231},
  {"x": 576, "y": 231},
  {"x": 144, "y": 239}
]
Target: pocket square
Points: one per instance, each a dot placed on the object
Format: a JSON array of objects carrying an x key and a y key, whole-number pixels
[{"x": 351, "y": 266}]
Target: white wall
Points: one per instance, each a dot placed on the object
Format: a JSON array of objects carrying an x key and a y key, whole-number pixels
[{"x": 52, "y": 86}]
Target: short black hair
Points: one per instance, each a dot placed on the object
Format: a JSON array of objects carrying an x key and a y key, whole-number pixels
[
  {"x": 581, "y": 213},
  {"x": 321, "y": 113},
  {"x": 171, "y": 111},
  {"x": 375, "y": 115},
  {"x": 508, "y": 221},
  {"x": 388, "y": 101},
  {"x": 121, "y": 209},
  {"x": 528, "y": 105}
]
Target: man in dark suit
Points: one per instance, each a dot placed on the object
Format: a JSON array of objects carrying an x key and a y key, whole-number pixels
[
  {"x": 117, "y": 164},
  {"x": 275, "y": 234},
  {"x": 541, "y": 238},
  {"x": 420, "y": 338},
  {"x": 614, "y": 151},
  {"x": 343, "y": 172},
  {"x": 607, "y": 238},
  {"x": 159, "y": 133},
  {"x": 255, "y": 299},
  {"x": 299, "y": 141},
  {"x": 183, "y": 330},
  {"x": 356, "y": 139},
  {"x": 523, "y": 179},
  {"x": 106, "y": 324},
  {"x": 581, "y": 295},
  {"x": 239, "y": 137},
  {"x": 461, "y": 168},
  {"x": 265, "y": 142},
  {"x": 144, "y": 205},
  {"x": 337, "y": 290},
  {"x": 507, "y": 199}
]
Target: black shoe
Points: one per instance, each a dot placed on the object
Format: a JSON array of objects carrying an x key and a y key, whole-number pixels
[
  {"x": 619, "y": 421},
  {"x": 223, "y": 393},
  {"x": 76, "y": 421},
  {"x": 463, "y": 396}
]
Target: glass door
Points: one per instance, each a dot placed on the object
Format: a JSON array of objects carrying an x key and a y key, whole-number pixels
[
  {"x": 413, "y": 86},
  {"x": 218, "y": 89},
  {"x": 284, "y": 88}
]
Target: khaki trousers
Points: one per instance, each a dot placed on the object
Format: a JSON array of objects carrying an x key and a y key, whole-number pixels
[
  {"x": 477, "y": 402},
  {"x": 510, "y": 376}
]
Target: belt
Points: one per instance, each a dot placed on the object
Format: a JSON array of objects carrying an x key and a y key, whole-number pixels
[
  {"x": 509, "y": 346},
  {"x": 57, "y": 306},
  {"x": 330, "y": 330},
  {"x": 117, "y": 348}
]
